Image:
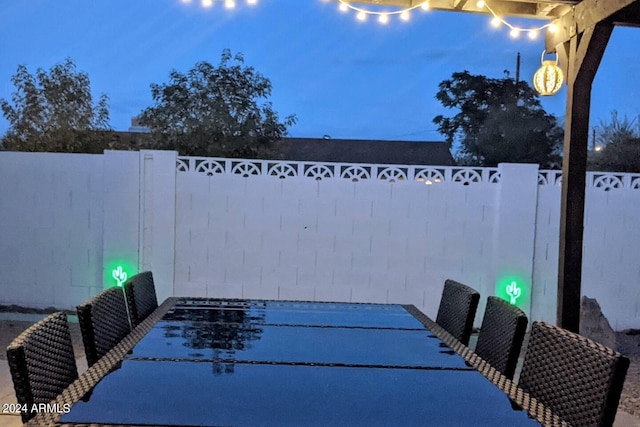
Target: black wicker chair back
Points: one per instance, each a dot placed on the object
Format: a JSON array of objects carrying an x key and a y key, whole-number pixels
[
  {"x": 501, "y": 334},
  {"x": 579, "y": 379},
  {"x": 41, "y": 362},
  {"x": 141, "y": 296},
  {"x": 104, "y": 322},
  {"x": 457, "y": 310}
]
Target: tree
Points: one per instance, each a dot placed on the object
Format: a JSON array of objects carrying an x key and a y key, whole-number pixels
[
  {"x": 54, "y": 111},
  {"x": 215, "y": 111},
  {"x": 499, "y": 120},
  {"x": 617, "y": 146}
]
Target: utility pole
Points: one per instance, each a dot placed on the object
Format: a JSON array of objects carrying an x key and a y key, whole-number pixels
[{"x": 518, "y": 68}]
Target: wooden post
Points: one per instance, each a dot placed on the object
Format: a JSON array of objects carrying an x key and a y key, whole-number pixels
[{"x": 583, "y": 52}]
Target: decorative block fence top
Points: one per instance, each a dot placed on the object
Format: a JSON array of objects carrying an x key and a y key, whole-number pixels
[
  {"x": 391, "y": 173},
  {"x": 602, "y": 180}
]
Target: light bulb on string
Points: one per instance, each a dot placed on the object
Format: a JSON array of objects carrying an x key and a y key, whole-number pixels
[
  {"x": 405, "y": 15},
  {"x": 515, "y": 33},
  {"x": 361, "y": 16},
  {"x": 383, "y": 18}
]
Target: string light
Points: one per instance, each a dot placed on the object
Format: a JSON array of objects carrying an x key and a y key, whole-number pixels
[
  {"x": 515, "y": 31},
  {"x": 405, "y": 15},
  {"x": 383, "y": 16}
]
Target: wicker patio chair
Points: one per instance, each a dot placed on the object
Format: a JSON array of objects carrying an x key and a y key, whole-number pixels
[
  {"x": 104, "y": 322},
  {"x": 41, "y": 362},
  {"x": 579, "y": 379},
  {"x": 501, "y": 334},
  {"x": 141, "y": 296},
  {"x": 457, "y": 310}
]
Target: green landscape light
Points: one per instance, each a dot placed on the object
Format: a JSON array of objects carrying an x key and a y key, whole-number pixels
[
  {"x": 117, "y": 272},
  {"x": 120, "y": 276},
  {"x": 513, "y": 289},
  {"x": 514, "y": 292}
]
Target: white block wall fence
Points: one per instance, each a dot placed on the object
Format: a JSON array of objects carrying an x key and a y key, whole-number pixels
[{"x": 307, "y": 231}]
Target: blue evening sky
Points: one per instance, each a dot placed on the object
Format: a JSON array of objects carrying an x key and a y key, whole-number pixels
[{"x": 341, "y": 77}]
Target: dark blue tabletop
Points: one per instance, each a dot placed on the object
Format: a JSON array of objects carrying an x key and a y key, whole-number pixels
[
  {"x": 297, "y": 313},
  {"x": 195, "y": 393},
  {"x": 295, "y": 344},
  {"x": 266, "y": 363}
]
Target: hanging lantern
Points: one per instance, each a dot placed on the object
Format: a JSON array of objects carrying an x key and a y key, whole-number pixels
[{"x": 548, "y": 79}]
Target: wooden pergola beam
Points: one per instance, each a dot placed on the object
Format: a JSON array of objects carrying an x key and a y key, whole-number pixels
[
  {"x": 587, "y": 14},
  {"x": 458, "y": 4},
  {"x": 580, "y": 41},
  {"x": 582, "y": 54}
]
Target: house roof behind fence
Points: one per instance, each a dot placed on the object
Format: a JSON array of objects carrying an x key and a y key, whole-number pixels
[{"x": 369, "y": 151}]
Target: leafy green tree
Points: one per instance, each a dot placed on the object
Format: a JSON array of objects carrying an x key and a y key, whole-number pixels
[
  {"x": 54, "y": 111},
  {"x": 617, "y": 145},
  {"x": 216, "y": 111},
  {"x": 499, "y": 120}
]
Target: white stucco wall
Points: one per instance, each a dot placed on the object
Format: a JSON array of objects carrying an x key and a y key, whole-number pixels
[
  {"x": 331, "y": 239},
  {"x": 51, "y": 228},
  {"x": 307, "y": 231}
]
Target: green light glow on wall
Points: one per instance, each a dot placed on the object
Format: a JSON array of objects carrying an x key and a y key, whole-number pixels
[
  {"x": 117, "y": 272},
  {"x": 515, "y": 290}
]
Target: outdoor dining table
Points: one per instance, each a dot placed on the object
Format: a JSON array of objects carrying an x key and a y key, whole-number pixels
[{"x": 216, "y": 362}]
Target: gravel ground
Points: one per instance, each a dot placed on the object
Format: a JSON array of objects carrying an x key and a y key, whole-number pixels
[{"x": 628, "y": 343}]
